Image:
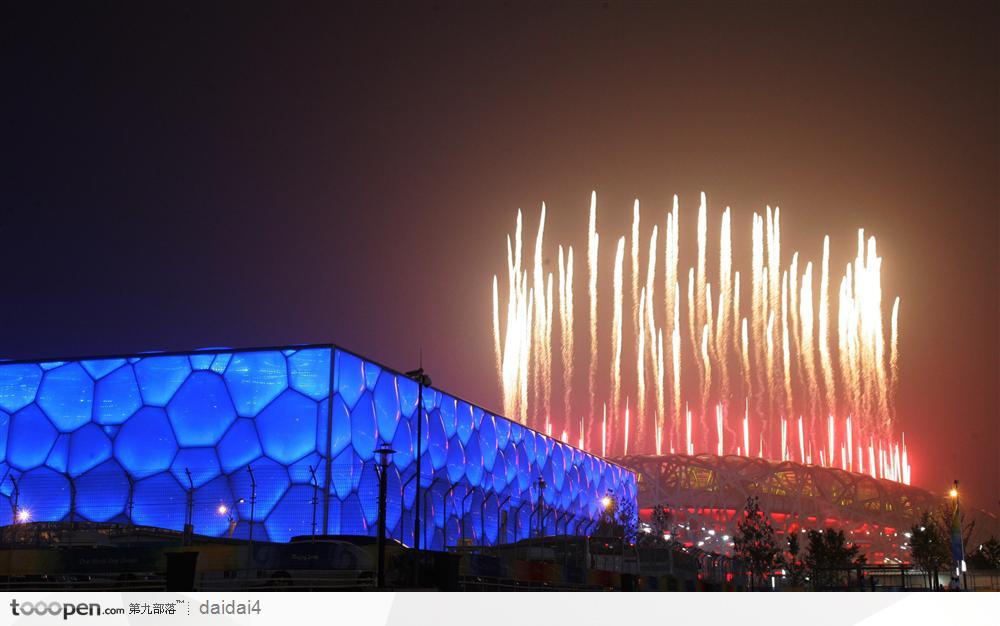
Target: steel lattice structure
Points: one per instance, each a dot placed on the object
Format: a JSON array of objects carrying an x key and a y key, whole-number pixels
[{"x": 705, "y": 492}]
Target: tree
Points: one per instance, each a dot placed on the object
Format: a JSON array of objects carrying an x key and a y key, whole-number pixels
[
  {"x": 795, "y": 567},
  {"x": 944, "y": 516},
  {"x": 830, "y": 557},
  {"x": 987, "y": 556},
  {"x": 606, "y": 525},
  {"x": 627, "y": 520},
  {"x": 618, "y": 519},
  {"x": 929, "y": 546},
  {"x": 754, "y": 542},
  {"x": 660, "y": 521},
  {"x": 659, "y": 526}
]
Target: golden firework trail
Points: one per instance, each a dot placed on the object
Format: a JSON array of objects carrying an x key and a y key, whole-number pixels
[
  {"x": 720, "y": 447},
  {"x": 646, "y": 311},
  {"x": 616, "y": 345},
  {"x": 707, "y": 358},
  {"x": 626, "y": 431},
  {"x": 538, "y": 352},
  {"x": 497, "y": 350},
  {"x": 671, "y": 292},
  {"x": 802, "y": 443},
  {"x": 746, "y": 427},
  {"x": 785, "y": 350},
  {"x": 547, "y": 354},
  {"x": 769, "y": 342},
  {"x": 525, "y": 352},
  {"x": 773, "y": 256},
  {"x": 661, "y": 405},
  {"x": 702, "y": 245},
  {"x": 676, "y": 360},
  {"x": 722, "y": 335},
  {"x": 604, "y": 431},
  {"x": 758, "y": 314},
  {"x": 767, "y": 347},
  {"x": 806, "y": 334},
  {"x": 894, "y": 352},
  {"x": 735, "y": 334},
  {"x": 640, "y": 363},
  {"x": 692, "y": 324},
  {"x": 772, "y": 353},
  {"x": 707, "y": 377},
  {"x": 566, "y": 326},
  {"x": 826, "y": 361},
  {"x": 592, "y": 248},
  {"x": 748, "y": 385},
  {"x": 634, "y": 265},
  {"x": 795, "y": 322}
]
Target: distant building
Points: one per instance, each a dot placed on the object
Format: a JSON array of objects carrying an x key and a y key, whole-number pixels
[{"x": 706, "y": 494}]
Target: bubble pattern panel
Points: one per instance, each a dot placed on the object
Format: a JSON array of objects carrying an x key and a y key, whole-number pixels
[{"x": 279, "y": 443}]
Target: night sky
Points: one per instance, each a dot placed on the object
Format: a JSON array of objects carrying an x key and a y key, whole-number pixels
[{"x": 220, "y": 175}]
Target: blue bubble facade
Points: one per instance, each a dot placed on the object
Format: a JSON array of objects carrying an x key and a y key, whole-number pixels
[{"x": 284, "y": 438}]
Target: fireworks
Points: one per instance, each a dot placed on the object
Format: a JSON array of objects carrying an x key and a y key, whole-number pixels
[{"x": 774, "y": 376}]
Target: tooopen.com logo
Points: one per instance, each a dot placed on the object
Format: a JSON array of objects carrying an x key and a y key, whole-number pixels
[{"x": 66, "y": 609}]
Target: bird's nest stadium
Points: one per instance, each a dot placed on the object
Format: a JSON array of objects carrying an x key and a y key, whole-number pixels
[{"x": 705, "y": 493}]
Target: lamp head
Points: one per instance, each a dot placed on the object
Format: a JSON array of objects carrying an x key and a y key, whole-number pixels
[{"x": 419, "y": 377}]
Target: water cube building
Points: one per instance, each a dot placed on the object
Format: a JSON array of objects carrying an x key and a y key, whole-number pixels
[{"x": 280, "y": 442}]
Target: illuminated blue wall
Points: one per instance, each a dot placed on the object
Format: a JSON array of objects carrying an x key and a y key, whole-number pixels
[{"x": 131, "y": 439}]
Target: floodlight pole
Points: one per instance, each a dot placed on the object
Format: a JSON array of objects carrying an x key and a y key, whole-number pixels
[
  {"x": 420, "y": 442},
  {"x": 421, "y": 379}
]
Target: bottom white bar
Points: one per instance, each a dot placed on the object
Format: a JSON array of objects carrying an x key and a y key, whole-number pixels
[{"x": 499, "y": 609}]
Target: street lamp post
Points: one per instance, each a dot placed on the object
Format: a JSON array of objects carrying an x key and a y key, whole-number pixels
[
  {"x": 223, "y": 509},
  {"x": 958, "y": 540},
  {"x": 384, "y": 451},
  {"x": 610, "y": 506},
  {"x": 541, "y": 507}
]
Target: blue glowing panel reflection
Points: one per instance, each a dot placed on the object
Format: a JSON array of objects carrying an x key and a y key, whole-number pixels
[{"x": 285, "y": 440}]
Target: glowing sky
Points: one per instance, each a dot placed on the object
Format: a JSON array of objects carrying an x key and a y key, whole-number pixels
[{"x": 197, "y": 177}]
